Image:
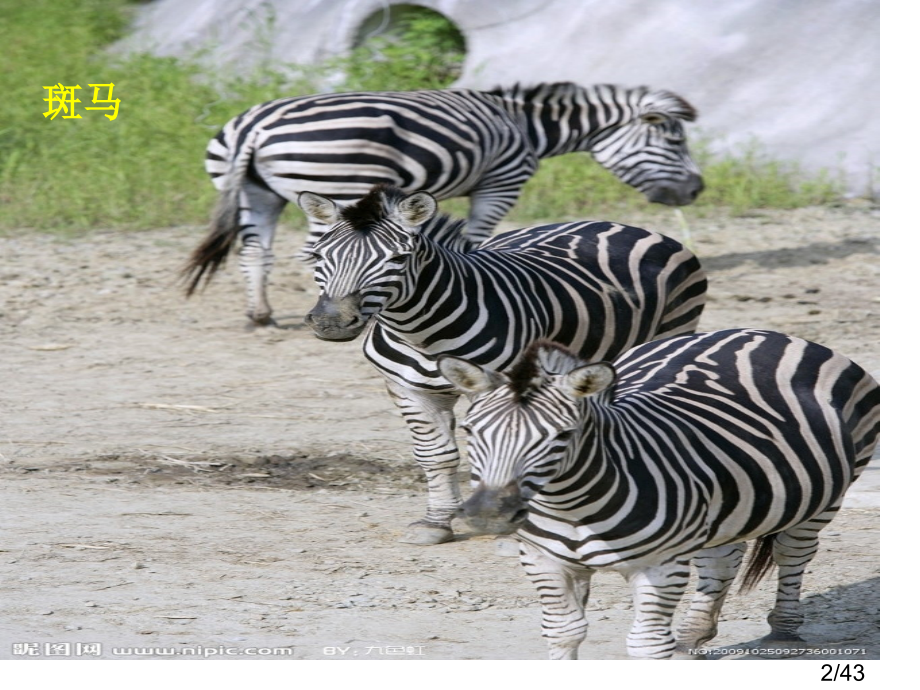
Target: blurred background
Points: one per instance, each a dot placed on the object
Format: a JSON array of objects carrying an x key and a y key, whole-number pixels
[{"x": 787, "y": 91}]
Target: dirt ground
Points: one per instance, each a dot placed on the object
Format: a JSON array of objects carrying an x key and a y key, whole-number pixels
[{"x": 174, "y": 484}]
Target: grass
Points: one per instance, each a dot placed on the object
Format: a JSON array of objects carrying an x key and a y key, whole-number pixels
[
  {"x": 574, "y": 185},
  {"x": 145, "y": 168},
  {"x": 419, "y": 49}
]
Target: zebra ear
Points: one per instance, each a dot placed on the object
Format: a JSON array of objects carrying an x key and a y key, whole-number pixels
[
  {"x": 416, "y": 208},
  {"x": 469, "y": 378},
  {"x": 588, "y": 380},
  {"x": 319, "y": 207},
  {"x": 670, "y": 104}
]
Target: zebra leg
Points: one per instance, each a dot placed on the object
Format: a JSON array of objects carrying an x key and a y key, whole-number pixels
[
  {"x": 563, "y": 591},
  {"x": 487, "y": 208},
  {"x": 259, "y": 212},
  {"x": 793, "y": 550},
  {"x": 716, "y": 568},
  {"x": 430, "y": 417},
  {"x": 657, "y": 590}
]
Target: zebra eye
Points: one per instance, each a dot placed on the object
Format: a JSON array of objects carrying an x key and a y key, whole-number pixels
[
  {"x": 565, "y": 435},
  {"x": 653, "y": 118}
]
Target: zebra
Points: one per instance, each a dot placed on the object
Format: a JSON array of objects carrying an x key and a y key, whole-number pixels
[
  {"x": 390, "y": 261},
  {"x": 679, "y": 452},
  {"x": 453, "y": 143}
]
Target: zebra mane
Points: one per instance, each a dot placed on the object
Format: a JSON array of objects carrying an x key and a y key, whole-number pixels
[
  {"x": 378, "y": 205},
  {"x": 646, "y": 100},
  {"x": 520, "y": 92},
  {"x": 541, "y": 360},
  {"x": 374, "y": 207}
]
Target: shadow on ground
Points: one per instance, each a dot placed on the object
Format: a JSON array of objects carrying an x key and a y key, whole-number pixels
[
  {"x": 828, "y": 629},
  {"x": 794, "y": 257}
]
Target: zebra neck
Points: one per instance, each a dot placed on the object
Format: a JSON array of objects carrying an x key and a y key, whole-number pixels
[
  {"x": 612, "y": 476},
  {"x": 441, "y": 299},
  {"x": 592, "y": 471},
  {"x": 564, "y": 118},
  {"x": 582, "y": 459}
]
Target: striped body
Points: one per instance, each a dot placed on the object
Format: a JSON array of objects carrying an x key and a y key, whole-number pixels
[
  {"x": 451, "y": 143},
  {"x": 599, "y": 287},
  {"x": 680, "y": 451}
]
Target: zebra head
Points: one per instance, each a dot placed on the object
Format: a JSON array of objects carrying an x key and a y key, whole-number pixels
[
  {"x": 649, "y": 151},
  {"x": 361, "y": 260},
  {"x": 521, "y": 428}
]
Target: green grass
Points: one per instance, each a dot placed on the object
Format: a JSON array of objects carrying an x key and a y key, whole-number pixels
[
  {"x": 574, "y": 186},
  {"x": 749, "y": 179},
  {"x": 145, "y": 168},
  {"x": 420, "y": 50}
]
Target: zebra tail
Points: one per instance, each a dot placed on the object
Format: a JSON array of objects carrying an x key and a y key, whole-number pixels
[
  {"x": 213, "y": 250},
  {"x": 760, "y": 564},
  {"x": 225, "y": 220}
]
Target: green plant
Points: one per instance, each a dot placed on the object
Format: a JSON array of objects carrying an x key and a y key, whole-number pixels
[
  {"x": 573, "y": 186},
  {"x": 569, "y": 187},
  {"x": 421, "y": 49},
  {"x": 144, "y": 169},
  {"x": 747, "y": 179}
]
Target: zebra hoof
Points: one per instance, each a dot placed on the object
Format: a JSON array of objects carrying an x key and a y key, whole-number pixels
[
  {"x": 426, "y": 535},
  {"x": 256, "y": 324}
]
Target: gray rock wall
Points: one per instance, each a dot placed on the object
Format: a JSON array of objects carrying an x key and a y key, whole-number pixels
[{"x": 801, "y": 77}]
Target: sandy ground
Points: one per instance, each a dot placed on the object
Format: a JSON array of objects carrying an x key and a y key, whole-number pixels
[{"x": 172, "y": 481}]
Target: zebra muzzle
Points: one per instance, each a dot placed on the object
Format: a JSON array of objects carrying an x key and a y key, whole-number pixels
[
  {"x": 671, "y": 193},
  {"x": 336, "y": 318},
  {"x": 494, "y": 511}
]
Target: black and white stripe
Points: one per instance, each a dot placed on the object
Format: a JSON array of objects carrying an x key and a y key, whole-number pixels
[
  {"x": 453, "y": 143},
  {"x": 598, "y": 287},
  {"x": 677, "y": 453}
]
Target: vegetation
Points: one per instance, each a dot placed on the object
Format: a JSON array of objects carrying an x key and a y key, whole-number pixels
[
  {"x": 420, "y": 49},
  {"x": 565, "y": 187},
  {"x": 144, "y": 169}
]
